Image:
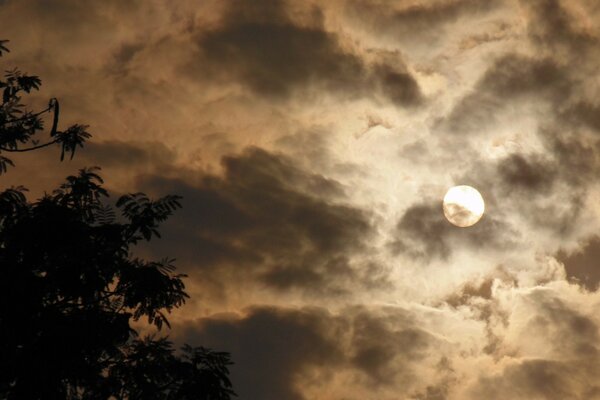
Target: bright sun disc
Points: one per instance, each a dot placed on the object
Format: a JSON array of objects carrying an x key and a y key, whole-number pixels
[{"x": 463, "y": 206}]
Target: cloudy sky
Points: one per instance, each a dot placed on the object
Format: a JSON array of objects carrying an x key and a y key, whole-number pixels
[{"x": 313, "y": 143}]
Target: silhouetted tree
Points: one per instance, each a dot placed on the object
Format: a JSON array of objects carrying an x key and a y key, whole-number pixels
[
  {"x": 19, "y": 126},
  {"x": 70, "y": 287}
]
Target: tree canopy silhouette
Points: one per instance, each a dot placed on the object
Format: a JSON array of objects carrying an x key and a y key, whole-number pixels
[
  {"x": 19, "y": 126},
  {"x": 71, "y": 287}
]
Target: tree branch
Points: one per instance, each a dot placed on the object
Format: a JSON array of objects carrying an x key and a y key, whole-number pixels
[
  {"x": 29, "y": 148},
  {"x": 26, "y": 117}
]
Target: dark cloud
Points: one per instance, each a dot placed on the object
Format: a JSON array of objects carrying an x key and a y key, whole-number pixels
[
  {"x": 583, "y": 265},
  {"x": 524, "y": 182},
  {"x": 425, "y": 224},
  {"x": 527, "y": 173},
  {"x": 116, "y": 158},
  {"x": 275, "y": 349},
  {"x": 137, "y": 155},
  {"x": 509, "y": 81},
  {"x": 277, "y": 54},
  {"x": 583, "y": 113},
  {"x": 481, "y": 290},
  {"x": 530, "y": 379},
  {"x": 441, "y": 389},
  {"x": 271, "y": 347},
  {"x": 272, "y": 55},
  {"x": 383, "y": 350},
  {"x": 399, "y": 86},
  {"x": 122, "y": 57},
  {"x": 268, "y": 219},
  {"x": 424, "y": 232},
  {"x": 577, "y": 156},
  {"x": 552, "y": 25},
  {"x": 570, "y": 331},
  {"x": 561, "y": 217},
  {"x": 425, "y": 19},
  {"x": 479, "y": 297}
]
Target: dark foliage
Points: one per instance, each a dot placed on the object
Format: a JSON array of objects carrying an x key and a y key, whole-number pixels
[
  {"x": 19, "y": 126},
  {"x": 70, "y": 289},
  {"x": 70, "y": 286}
]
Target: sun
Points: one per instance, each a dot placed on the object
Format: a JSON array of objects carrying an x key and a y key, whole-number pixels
[{"x": 463, "y": 206}]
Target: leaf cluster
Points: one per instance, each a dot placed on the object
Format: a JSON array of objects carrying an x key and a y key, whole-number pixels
[
  {"x": 19, "y": 127},
  {"x": 70, "y": 290},
  {"x": 151, "y": 367}
]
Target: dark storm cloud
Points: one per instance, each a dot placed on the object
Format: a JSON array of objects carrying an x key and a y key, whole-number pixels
[
  {"x": 265, "y": 49},
  {"x": 399, "y": 86},
  {"x": 527, "y": 173},
  {"x": 278, "y": 54},
  {"x": 274, "y": 348},
  {"x": 584, "y": 113},
  {"x": 424, "y": 224},
  {"x": 509, "y": 81},
  {"x": 384, "y": 352},
  {"x": 545, "y": 379},
  {"x": 523, "y": 182},
  {"x": 268, "y": 219},
  {"x": 271, "y": 347},
  {"x": 571, "y": 331},
  {"x": 426, "y": 19},
  {"x": 551, "y": 24},
  {"x": 424, "y": 232},
  {"x": 577, "y": 156},
  {"x": 583, "y": 265}
]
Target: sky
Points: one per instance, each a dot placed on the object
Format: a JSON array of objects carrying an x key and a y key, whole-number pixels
[{"x": 312, "y": 143}]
